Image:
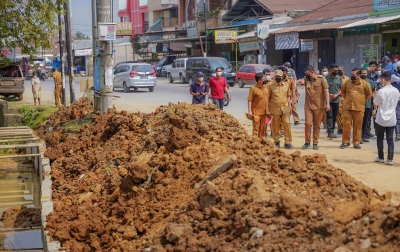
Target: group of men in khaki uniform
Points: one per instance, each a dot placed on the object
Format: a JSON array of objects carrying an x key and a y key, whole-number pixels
[{"x": 276, "y": 98}]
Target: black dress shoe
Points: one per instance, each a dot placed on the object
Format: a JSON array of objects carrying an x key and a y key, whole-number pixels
[
  {"x": 278, "y": 144},
  {"x": 370, "y": 134},
  {"x": 365, "y": 140},
  {"x": 344, "y": 145},
  {"x": 357, "y": 146},
  {"x": 296, "y": 123},
  {"x": 288, "y": 146},
  {"x": 340, "y": 132}
]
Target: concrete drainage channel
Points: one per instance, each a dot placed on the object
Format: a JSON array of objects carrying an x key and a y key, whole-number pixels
[{"x": 25, "y": 181}]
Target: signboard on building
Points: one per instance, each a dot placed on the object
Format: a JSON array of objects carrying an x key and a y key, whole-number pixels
[
  {"x": 249, "y": 46},
  {"x": 288, "y": 40},
  {"x": 262, "y": 31},
  {"x": 225, "y": 36},
  {"x": 306, "y": 46},
  {"x": 386, "y": 5},
  {"x": 107, "y": 31},
  {"x": 83, "y": 52},
  {"x": 124, "y": 29}
]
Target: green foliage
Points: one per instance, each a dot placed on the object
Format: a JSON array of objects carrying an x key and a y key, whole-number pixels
[
  {"x": 27, "y": 24},
  {"x": 139, "y": 46},
  {"x": 76, "y": 126},
  {"x": 80, "y": 35},
  {"x": 34, "y": 116}
]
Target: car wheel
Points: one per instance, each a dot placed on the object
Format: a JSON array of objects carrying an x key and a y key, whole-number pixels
[
  {"x": 170, "y": 78},
  {"x": 232, "y": 84},
  {"x": 21, "y": 96},
  {"x": 241, "y": 84},
  {"x": 126, "y": 89},
  {"x": 190, "y": 81},
  {"x": 181, "y": 79},
  {"x": 151, "y": 89},
  {"x": 135, "y": 89}
]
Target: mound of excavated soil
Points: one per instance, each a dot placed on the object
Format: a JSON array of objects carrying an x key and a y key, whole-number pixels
[
  {"x": 21, "y": 217},
  {"x": 135, "y": 182}
]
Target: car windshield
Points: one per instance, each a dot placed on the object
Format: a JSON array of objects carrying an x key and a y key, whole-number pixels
[
  {"x": 161, "y": 62},
  {"x": 259, "y": 69},
  {"x": 142, "y": 68},
  {"x": 219, "y": 63}
]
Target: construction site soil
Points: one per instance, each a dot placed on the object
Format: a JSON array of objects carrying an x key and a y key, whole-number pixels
[{"x": 189, "y": 178}]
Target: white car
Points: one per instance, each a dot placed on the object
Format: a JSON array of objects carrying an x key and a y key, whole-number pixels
[
  {"x": 165, "y": 70},
  {"x": 134, "y": 76}
]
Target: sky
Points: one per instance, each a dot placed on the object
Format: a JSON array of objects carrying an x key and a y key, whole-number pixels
[{"x": 82, "y": 15}]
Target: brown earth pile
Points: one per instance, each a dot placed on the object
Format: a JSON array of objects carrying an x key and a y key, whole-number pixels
[
  {"x": 134, "y": 182},
  {"x": 21, "y": 217}
]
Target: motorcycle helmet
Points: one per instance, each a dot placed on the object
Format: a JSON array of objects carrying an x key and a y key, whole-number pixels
[{"x": 288, "y": 65}]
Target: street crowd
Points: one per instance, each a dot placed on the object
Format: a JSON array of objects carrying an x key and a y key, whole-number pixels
[{"x": 369, "y": 96}]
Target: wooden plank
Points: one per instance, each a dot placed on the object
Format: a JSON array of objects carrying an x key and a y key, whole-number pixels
[
  {"x": 14, "y": 146},
  {"x": 20, "y": 140},
  {"x": 19, "y": 156}
]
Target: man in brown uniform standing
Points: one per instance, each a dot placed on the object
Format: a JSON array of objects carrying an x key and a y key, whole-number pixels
[
  {"x": 292, "y": 86},
  {"x": 316, "y": 104},
  {"x": 339, "y": 117},
  {"x": 57, "y": 87},
  {"x": 355, "y": 92},
  {"x": 257, "y": 106},
  {"x": 278, "y": 95}
]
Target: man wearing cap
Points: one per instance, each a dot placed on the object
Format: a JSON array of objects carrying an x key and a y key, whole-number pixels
[
  {"x": 278, "y": 100},
  {"x": 315, "y": 105},
  {"x": 335, "y": 84},
  {"x": 339, "y": 117},
  {"x": 257, "y": 105},
  {"x": 219, "y": 88},
  {"x": 292, "y": 86},
  {"x": 199, "y": 89},
  {"x": 57, "y": 87},
  {"x": 355, "y": 92}
]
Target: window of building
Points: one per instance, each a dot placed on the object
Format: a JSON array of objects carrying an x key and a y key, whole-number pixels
[{"x": 190, "y": 10}]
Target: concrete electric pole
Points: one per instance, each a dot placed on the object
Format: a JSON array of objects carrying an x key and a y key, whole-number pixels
[
  {"x": 67, "y": 21},
  {"x": 61, "y": 44},
  {"x": 103, "y": 68}
]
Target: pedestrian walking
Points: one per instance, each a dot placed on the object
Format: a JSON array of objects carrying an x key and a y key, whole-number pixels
[
  {"x": 315, "y": 105},
  {"x": 335, "y": 84},
  {"x": 257, "y": 106},
  {"x": 267, "y": 76},
  {"x": 219, "y": 88},
  {"x": 368, "y": 106},
  {"x": 199, "y": 90},
  {"x": 278, "y": 95},
  {"x": 57, "y": 87},
  {"x": 355, "y": 92},
  {"x": 385, "y": 102},
  {"x": 339, "y": 117},
  {"x": 36, "y": 88},
  {"x": 292, "y": 85}
]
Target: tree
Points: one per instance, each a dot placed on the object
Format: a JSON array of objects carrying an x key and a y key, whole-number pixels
[
  {"x": 27, "y": 24},
  {"x": 80, "y": 35},
  {"x": 140, "y": 47}
]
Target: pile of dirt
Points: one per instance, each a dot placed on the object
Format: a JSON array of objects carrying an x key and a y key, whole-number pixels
[
  {"x": 134, "y": 182},
  {"x": 21, "y": 217}
]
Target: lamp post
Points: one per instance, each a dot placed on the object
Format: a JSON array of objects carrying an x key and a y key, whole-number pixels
[{"x": 205, "y": 27}]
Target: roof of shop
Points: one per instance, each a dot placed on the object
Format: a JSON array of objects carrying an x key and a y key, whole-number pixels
[
  {"x": 372, "y": 20},
  {"x": 314, "y": 27},
  {"x": 282, "y": 6},
  {"x": 337, "y": 8}
]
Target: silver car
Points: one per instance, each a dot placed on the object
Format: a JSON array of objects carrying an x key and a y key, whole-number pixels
[{"x": 134, "y": 75}]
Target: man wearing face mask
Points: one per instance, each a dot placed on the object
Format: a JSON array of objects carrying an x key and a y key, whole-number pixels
[
  {"x": 278, "y": 100},
  {"x": 335, "y": 84},
  {"x": 257, "y": 105},
  {"x": 368, "y": 106},
  {"x": 292, "y": 86},
  {"x": 355, "y": 92},
  {"x": 339, "y": 117},
  {"x": 371, "y": 69},
  {"x": 324, "y": 71},
  {"x": 199, "y": 89},
  {"x": 218, "y": 87},
  {"x": 315, "y": 105},
  {"x": 267, "y": 76}
]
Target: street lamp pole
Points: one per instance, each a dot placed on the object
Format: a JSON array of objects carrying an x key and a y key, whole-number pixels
[{"x": 205, "y": 27}]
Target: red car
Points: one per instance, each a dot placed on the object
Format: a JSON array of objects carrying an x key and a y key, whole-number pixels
[{"x": 247, "y": 73}]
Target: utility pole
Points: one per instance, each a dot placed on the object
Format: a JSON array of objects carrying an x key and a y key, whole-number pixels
[
  {"x": 104, "y": 53},
  {"x": 61, "y": 44},
  {"x": 205, "y": 27},
  {"x": 67, "y": 20}
]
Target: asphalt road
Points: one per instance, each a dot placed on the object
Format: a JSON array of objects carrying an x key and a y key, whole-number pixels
[{"x": 145, "y": 101}]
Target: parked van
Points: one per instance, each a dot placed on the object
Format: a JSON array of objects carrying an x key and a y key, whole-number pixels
[
  {"x": 167, "y": 60},
  {"x": 207, "y": 65},
  {"x": 178, "y": 70},
  {"x": 12, "y": 80}
]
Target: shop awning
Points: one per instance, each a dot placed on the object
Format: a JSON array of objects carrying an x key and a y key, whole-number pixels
[
  {"x": 246, "y": 35},
  {"x": 177, "y": 46},
  {"x": 370, "y": 21},
  {"x": 157, "y": 26},
  {"x": 314, "y": 27}
]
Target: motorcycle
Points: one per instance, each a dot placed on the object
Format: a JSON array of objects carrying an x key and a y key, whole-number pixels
[
  {"x": 226, "y": 99},
  {"x": 41, "y": 74}
]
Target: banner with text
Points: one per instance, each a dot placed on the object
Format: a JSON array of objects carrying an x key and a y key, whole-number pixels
[
  {"x": 124, "y": 29},
  {"x": 225, "y": 36}
]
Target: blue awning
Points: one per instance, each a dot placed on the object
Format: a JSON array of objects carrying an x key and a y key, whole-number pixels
[{"x": 246, "y": 22}]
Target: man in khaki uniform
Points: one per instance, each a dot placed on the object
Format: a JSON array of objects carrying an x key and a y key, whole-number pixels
[
  {"x": 278, "y": 96},
  {"x": 315, "y": 105},
  {"x": 339, "y": 117},
  {"x": 293, "y": 94},
  {"x": 257, "y": 106},
  {"x": 57, "y": 87},
  {"x": 355, "y": 92}
]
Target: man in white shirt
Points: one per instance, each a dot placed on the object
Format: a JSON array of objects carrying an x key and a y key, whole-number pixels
[{"x": 385, "y": 103}]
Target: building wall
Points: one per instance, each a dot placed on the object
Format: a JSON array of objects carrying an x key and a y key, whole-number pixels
[
  {"x": 348, "y": 51},
  {"x": 123, "y": 53},
  {"x": 392, "y": 41},
  {"x": 137, "y": 13}
]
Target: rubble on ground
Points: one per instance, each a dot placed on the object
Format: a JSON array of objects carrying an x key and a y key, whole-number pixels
[{"x": 189, "y": 178}]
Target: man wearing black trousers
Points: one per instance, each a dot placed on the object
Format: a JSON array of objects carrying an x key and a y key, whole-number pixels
[
  {"x": 368, "y": 106},
  {"x": 335, "y": 84}
]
